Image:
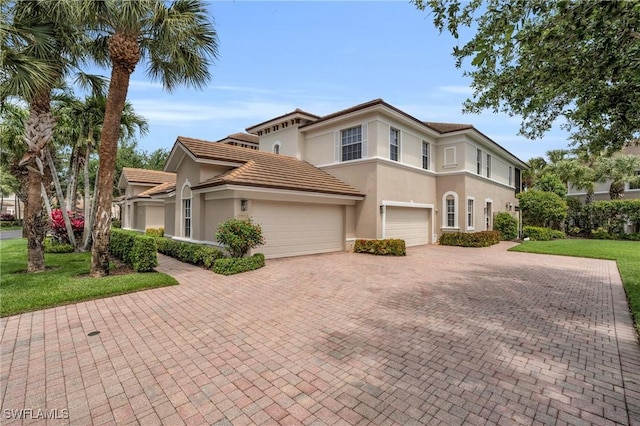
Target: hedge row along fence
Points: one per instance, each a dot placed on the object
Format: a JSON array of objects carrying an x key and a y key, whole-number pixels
[
  {"x": 388, "y": 247},
  {"x": 470, "y": 239},
  {"x": 136, "y": 250}
]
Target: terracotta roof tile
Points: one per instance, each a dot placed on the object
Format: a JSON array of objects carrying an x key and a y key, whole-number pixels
[
  {"x": 147, "y": 176},
  {"x": 264, "y": 169},
  {"x": 244, "y": 137},
  {"x": 163, "y": 188},
  {"x": 296, "y": 111},
  {"x": 447, "y": 127}
]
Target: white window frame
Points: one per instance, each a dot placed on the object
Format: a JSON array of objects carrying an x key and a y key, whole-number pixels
[
  {"x": 338, "y": 157},
  {"x": 183, "y": 211},
  {"x": 451, "y": 149},
  {"x": 488, "y": 165},
  {"x": 276, "y": 148},
  {"x": 510, "y": 176},
  {"x": 394, "y": 142},
  {"x": 426, "y": 155},
  {"x": 478, "y": 161},
  {"x": 471, "y": 213},
  {"x": 445, "y": 210}
]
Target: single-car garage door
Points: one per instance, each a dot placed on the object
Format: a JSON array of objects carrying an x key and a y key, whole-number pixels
[
  {"x": 409, "y": 224},
  {"x": 294, "y": 229}
]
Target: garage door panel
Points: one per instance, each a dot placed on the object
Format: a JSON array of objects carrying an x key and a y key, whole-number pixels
[
  {"x": 409, "y": 224},
  {"x": 293, "y": 229}
]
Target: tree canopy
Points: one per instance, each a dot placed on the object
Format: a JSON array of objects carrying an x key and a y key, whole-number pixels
[{"x": 577, "y": 61}]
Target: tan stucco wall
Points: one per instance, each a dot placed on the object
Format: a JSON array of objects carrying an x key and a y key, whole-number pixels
[
  {"x": 289, "y": 139},
  {"x": 440, "y": 148},
  {"x": 481, "y": 190},
  {"x": 320, "y": 144},
  {"x": 216, "y": 212},
  {"x": 154, "y": 215},
  {"x": 170, "y": 218}
]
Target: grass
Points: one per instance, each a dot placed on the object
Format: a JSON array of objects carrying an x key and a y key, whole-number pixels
[
  {"x": 625, "y": 253},
  {"x": 63, "y": 281}
]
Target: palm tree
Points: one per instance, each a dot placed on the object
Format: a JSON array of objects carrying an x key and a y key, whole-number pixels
[
  {"x": 39, "y": 42},
  {"x": 532, "y": 174},
  {"x": 177, "y": 42},
  {"x": 620, "y": 169}
]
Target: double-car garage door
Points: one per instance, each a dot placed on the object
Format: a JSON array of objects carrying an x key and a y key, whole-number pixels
[
  {"x": 409, "y": 224},
  {"x": 293, "y": 229}
]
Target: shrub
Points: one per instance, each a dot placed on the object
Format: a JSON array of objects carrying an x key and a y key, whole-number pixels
[
  {"x": 10, "y": 223},
  {"x": 195, "y": 254},
  {"x": 59, "y": 229},
  {"x": 239, "y": 236},
  {"x": 381, "y": 247},
  {"x": 154, "y": 232},
  {"x": 7, "y": 217},
  {"x": 230, "y": 266},
  {"x": 541, "y": 208},
  {"x": 535, "y": 233},
  {"x": 470, "y": 239},
  {"x": 116, "y": 223},
  {"x": 52, "y": 246},
  {"x": 138, "y": 251},
  {"x": 507, "y": 225}
]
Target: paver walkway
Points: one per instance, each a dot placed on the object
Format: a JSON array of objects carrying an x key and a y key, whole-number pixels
[{"x": 446, "y": 335}]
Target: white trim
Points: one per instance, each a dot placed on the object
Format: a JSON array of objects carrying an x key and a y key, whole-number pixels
[
  {"x": 454, "y": 163},
  {"x": 473, "y": 214},
  {"x": 445, "y": 212},
  {"x": 374, "y": 159},
  {"x": 407, "y": 204},
  {"x": 276, "y": 191}
]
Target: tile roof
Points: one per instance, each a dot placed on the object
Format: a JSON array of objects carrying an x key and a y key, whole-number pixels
[
  {"x": 163, "y": 188},
  {"x": 147, "y": 176},
  {"x": 295, "y": 111},
  {"x": 244, "y": 137},
  {"x": 447, "y": 127},
  {"x": 264, "y": 169}
]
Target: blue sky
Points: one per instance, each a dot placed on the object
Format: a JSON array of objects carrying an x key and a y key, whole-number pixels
[{"x": 321, "y": 57}]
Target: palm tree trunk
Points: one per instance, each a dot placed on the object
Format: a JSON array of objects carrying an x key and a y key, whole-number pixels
[
  {"x": 89, "y": 203},
  {"x": 38, "y": 132},
  {"x": 116, "y": 98},
  {"x": 72, "y": 178}
]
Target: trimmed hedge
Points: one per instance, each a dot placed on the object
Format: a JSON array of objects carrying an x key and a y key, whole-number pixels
[
  {"x": 10, "y": 223},
  {"x": 52, "y": 246},
  {"x": 154, "y": 232},
  {"x": 196, "y": 254},
  {"x": 535, "y": 233},
  {"x": 388, "y": 247},
  {"x": 235, "y": 265},
  {"x": 138, "y": 251},
  {"x": 470, "y": 239}
]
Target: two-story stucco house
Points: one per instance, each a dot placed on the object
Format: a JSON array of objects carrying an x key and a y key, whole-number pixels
[{"x": 318, "y": 183}]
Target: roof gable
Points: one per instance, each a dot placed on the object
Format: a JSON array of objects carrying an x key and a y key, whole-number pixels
[{"x": 131, "y": 176}]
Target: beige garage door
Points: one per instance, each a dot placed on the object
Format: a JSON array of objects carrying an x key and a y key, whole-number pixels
[
  {"x": 410, "y": 224},
  {"x": 294, "y": 229}
]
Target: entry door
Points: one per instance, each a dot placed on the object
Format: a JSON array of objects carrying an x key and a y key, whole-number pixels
[{"x": 488, "y": 216}]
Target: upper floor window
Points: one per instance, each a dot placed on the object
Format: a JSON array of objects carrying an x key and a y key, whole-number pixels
[
  {"x": 488, "y": 165},
  {"x": 351, "y": 143},
  {"x": 479, "y": 161},
  {"x": 510, "y": 175},
  {"x": 394, "y": 144},
  {"x": 425, "y": 155}
]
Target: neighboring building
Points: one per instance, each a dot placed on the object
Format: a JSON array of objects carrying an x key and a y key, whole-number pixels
[
  {"x": 138, "y": 210},
  {"x": 318, "y": 183},
  {"x": 602, "y": 189},
  {"x": 12, "y": 205}
]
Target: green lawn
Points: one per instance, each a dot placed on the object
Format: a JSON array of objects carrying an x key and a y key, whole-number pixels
[
  {"x": 62, "y": 283},
  {"x": 626, "y": 253}
]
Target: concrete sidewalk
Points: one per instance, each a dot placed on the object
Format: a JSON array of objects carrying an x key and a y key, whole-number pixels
[{"x": 443, "y": 336}]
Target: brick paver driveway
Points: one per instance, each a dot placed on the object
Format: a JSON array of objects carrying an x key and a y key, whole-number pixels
[{"x": 446, "y": 335}]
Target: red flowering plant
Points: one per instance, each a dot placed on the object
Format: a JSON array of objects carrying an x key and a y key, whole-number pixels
[{"x": 59, "y": 230}]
